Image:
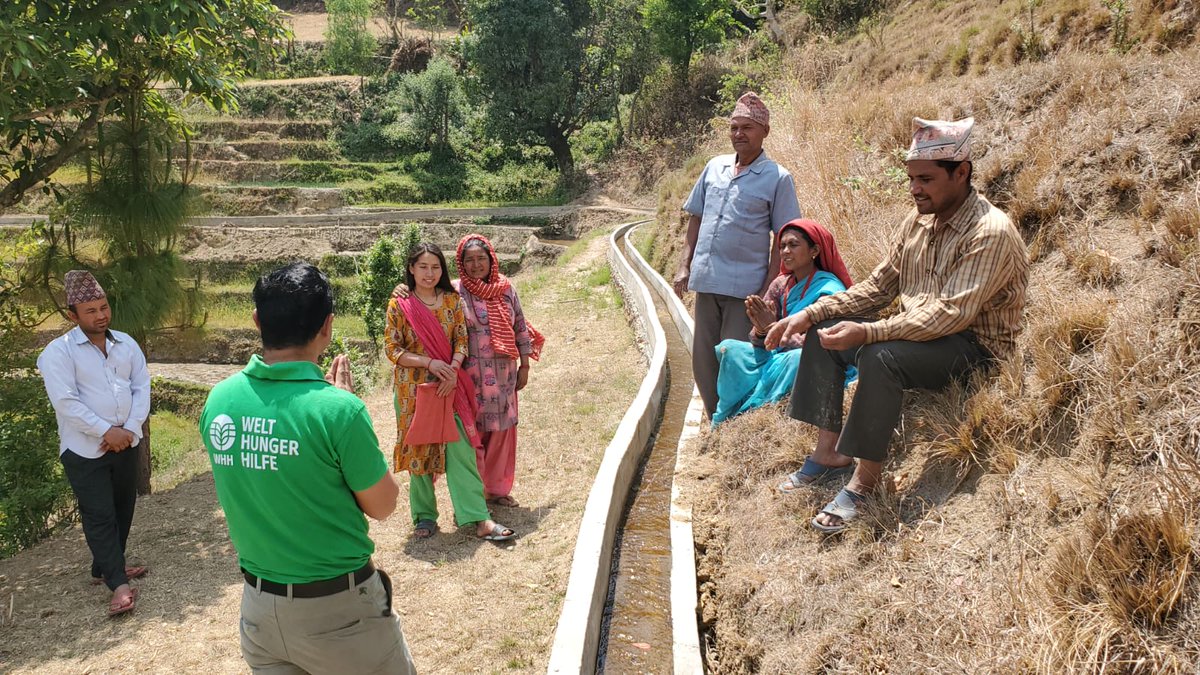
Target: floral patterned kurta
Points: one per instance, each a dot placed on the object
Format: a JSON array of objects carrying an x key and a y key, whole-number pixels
[
  {"x": 495, "y": 375},
  {"x": 399, "y": 338}
]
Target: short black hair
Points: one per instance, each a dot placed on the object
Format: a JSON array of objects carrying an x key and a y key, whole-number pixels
[
  {"x": 950, "y": 166},
  {"x": 420, "y": 250},
  {"x": 292, "y": 303}
]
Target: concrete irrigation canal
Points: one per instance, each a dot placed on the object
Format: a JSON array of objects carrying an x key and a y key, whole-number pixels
[{"x": 631, "y": 598}]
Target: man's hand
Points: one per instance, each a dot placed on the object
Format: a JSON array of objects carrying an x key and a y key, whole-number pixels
[
  {"x": 682, "y": 277},
  {"x": 785, "y": 329},
  {"x": 843, "y": 335},
  {"x": 339, "y": 373},
  {"x": 116, "y": 439},
  {"x": 400, "y": 291}
]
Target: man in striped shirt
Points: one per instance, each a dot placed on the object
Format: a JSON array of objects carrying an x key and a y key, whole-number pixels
[{"x": 958, "y": 270}]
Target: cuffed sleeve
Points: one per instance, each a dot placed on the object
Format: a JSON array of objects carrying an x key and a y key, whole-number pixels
[{"x": 785, "y": 207}]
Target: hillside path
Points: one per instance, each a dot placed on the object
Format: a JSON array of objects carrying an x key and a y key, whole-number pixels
[{"x": 466, "y": 605}]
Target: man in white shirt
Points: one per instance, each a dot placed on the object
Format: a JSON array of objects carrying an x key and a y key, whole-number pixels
[{"x": 99, "y": 386}]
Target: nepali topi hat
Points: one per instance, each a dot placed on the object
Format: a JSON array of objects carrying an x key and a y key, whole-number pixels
[
  {"x": 941, "y": 140},
  {"x": 752, "y": 108},
  {"x": 82, "y": 287}
]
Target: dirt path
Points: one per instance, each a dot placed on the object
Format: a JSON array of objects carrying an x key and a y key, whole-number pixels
[{"x": 466, "y": 606}]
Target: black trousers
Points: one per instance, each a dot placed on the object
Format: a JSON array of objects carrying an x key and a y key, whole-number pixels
[
  {"x": 885, "y": 370},
  {"x": 106, "y": 489}
]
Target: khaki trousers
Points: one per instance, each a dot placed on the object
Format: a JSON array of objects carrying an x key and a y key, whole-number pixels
[{"x": 354, "y": 631}]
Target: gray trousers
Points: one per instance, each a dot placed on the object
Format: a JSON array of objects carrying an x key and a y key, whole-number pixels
[
  {"x": 717, "y": 317},
  {"x": 354, "y": 631},
  {"x": 885, "y": 370}
]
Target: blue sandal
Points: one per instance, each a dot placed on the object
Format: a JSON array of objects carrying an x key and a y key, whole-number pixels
[
  {"x": 844, "y": 506},
  {"x": 812, "y": 473}
]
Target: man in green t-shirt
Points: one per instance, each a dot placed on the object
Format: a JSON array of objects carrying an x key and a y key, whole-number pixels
[{"x": 297, "y": 464}]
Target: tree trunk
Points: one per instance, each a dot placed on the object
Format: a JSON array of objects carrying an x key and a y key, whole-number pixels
[
  {"x": 556, "y": 140},
  {"x": 143, "y": 451}
]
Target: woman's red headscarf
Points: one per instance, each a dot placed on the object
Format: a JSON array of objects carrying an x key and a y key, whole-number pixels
[
  {"x": 828, "y": 259},
  {"x": 491, "y": 290}
]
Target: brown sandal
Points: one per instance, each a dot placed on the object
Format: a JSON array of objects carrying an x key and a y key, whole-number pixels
[
  {"x": 124, "y": 608},
  {"x": 134, "y": 572}
]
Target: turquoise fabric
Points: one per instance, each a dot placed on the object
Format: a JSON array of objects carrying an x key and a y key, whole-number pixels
[{"x": 751, "y": 376}]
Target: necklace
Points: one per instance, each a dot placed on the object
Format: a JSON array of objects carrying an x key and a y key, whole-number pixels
[{"x": 436, "y": 296}]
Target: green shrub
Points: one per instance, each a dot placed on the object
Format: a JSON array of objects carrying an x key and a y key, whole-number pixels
[
  {"x": 516, "y": 183},
  {"x": 382, "y": 269},
  {"x": 302, "y": 59},
  {"x": 364, "y": 370},
  {"x": 34, "y": 494},
  {"x": 338, "y": 265},
  {"x": 178, "y": 397},
  {"x": 349, "y": 45}
]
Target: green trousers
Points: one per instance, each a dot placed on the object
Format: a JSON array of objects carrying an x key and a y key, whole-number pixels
[{"x": 462, "y": 477}]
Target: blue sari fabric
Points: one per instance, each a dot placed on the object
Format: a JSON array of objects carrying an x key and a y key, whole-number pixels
[{"x": 751, "y": 376}]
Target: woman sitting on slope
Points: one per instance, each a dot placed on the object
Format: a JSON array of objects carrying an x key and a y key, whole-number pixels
[{"x": 751, "y": 376}]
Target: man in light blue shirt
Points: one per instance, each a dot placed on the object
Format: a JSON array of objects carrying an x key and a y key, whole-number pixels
[
  {"x": 738, "y": 203},
  {"x": 99, "y": 385}
]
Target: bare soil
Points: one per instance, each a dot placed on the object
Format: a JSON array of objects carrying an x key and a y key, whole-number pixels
[
  {"x": 310, "y": 27},
  {"x": 466, "y": 606}
]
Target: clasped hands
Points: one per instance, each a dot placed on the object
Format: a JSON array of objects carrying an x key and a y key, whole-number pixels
[
  {"x": 117, "y": 439},
  {"x": 839, "y": 336}
]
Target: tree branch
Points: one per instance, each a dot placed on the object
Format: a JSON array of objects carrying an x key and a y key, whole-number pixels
[{"x": 28, "y": 178}]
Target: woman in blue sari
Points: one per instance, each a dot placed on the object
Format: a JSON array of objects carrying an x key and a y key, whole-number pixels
[{"x": 750, "y": 376}]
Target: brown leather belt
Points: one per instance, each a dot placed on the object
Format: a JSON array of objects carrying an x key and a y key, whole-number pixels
[{"x": 312, "y": 589}]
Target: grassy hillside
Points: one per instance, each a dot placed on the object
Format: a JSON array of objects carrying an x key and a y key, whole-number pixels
[{"x": 1044, "y": 520}]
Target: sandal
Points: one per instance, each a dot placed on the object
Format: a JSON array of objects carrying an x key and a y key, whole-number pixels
[
  {"x": 500, "y": 533},
  {"x": 429, "y": 527},
  {"x": 844, "y": 506},
  {"x": 134, "y": 572},
  {"x": 124, "y": 608},
  {"x": 504, "y": 500},
  {"x": 812, "y": 473}
]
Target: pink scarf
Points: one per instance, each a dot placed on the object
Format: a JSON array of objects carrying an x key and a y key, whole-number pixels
[{"x": 432, "y": 336}]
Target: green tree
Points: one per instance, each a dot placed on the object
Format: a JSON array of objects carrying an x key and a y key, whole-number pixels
[
  {"x": 544, "y": 68},
  {"x": 135, "y": 208},
  {"x": 382, "y": 269},
  {"x": 432, "y": 103},
  {"x": 67, "y": 64},
  {"x": 349, "y": 45},
  {"x": 680, "y": 28}
]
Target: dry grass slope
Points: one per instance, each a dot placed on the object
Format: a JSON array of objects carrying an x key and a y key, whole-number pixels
[{"x": 1043, "y": 519}]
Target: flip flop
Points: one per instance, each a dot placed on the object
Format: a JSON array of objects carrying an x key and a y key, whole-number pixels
[
  {"x": 845, "y": 506},
  {"x": 504, "y": 500},
  {"x": 134, "y": 572},
  {"x": 500, "y": 533},
  {"x": 117, "y": 610},
  {"x": 429, "y": 526},
  {"x": 812, "y": 473}
]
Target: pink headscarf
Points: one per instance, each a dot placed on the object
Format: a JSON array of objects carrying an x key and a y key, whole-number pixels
[{"x": 829, "y": 259}]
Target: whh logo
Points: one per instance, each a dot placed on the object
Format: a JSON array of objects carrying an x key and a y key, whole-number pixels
[{"x": 222, "y": 432}]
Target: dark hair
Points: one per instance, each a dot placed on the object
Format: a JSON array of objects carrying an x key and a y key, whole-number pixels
[
  {"x": 420, "y": 250},
  {"x": 951, "y": 166},
  {"x": 292, "y": 303},
  {"x": 800, "y": 231}
]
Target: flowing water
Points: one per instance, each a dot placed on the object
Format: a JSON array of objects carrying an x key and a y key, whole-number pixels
[{"x": 636, "y": 632}]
